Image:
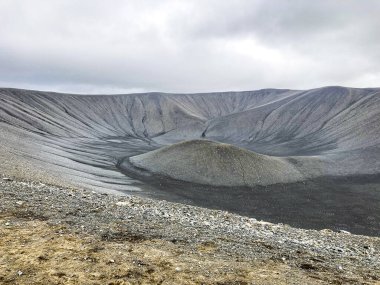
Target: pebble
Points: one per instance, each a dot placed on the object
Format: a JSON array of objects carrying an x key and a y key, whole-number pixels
[
  {"x": 7, "y": 179},
  {"x": 122, "y": 203}
]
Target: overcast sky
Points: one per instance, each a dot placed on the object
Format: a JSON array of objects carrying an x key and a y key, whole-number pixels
[{"x": 121, "y": 46}]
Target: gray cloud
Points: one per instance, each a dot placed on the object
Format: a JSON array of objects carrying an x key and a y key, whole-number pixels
[{"x": 188, "y": 46}]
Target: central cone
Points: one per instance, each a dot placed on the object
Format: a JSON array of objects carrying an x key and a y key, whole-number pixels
[{"x": 218, "y": 164}]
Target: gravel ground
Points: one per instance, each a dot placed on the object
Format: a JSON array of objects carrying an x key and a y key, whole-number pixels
[{"x": 331, "y": 257}]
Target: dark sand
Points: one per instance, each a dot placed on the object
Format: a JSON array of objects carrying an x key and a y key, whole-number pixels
[{"x": 338, "y": 203}]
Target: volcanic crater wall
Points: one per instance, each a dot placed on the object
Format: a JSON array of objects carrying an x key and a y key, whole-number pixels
[{"x": 80, "y": 138}]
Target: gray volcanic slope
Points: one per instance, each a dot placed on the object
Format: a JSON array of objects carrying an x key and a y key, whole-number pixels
[
  {"x": 81, "y": 138},
  {"x": 317, "y": 152}
]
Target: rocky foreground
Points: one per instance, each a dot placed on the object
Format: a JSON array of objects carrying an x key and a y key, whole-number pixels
[{"x": 52, "y": 235}]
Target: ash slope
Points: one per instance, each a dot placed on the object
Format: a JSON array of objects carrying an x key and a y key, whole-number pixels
[
  {"x": 217, "y": 164},
  {"x": 80, "y": 138},
  {"x": 335, "y": 129}
]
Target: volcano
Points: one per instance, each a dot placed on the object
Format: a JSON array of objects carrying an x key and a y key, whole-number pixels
[{"x": 310, "y": 156}]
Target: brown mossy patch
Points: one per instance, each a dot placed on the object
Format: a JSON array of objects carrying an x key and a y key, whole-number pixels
[{"x": 34, "y": 252}]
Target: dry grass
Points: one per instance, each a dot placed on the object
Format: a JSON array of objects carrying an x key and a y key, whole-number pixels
[{"x": 34, "y": 252}]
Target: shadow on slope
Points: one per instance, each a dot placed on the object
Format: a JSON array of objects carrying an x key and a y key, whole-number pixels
[{"x": 338, "y": 203}]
